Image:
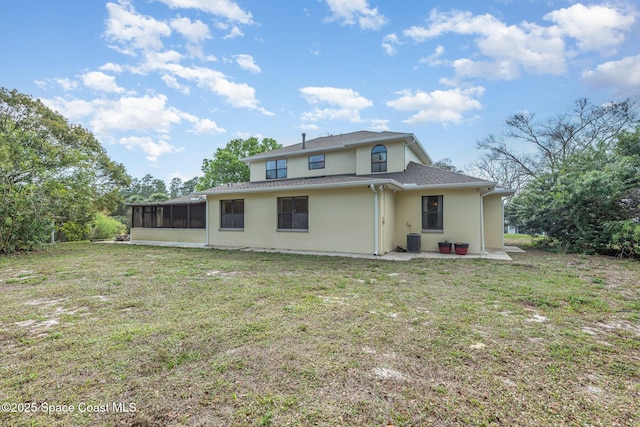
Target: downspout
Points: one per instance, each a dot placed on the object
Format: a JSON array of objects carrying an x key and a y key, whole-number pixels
[
  {"x": 206, "y": 221},
  {"x": 502, "y": 222},
  {"x": 482, "y": 196},
  {"x": 376, "y": 231}
]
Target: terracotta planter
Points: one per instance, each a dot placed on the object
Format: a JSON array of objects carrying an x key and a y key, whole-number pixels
[
  {"x": 461, "y": 248},
  {"x": 444, "y": 247}
]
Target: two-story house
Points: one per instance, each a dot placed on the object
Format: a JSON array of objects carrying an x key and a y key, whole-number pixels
[{"x": 361, "y": 192}]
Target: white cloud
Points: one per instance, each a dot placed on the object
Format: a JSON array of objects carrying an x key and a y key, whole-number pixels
[
  {"x": 66, "y": 84},
  {"x": 346, "y": 103},
  {"x": 379, "y": 125},
  {"x": 157, "y": 61},
  {"x": 347, "y": 98},
  {"x": 97, "y": 80},
  {"x": 352, "y": 11},
  {"x": 173, "y": 83},
  {"x": 131, "y": 31},
  {"x": 308, "y": 127},
  {"x": 596, "y": 27},
  {"x": 72, "y": 109},
  {"x": 621, "y": 77},
  {"x": 110, "y": 66},
  {"x": 128, "y": 113},
  {"x": 152, "y": 149},
  {"x": 239, "y": 95},
  {"x": 441, "y": 106},
  {"x": 502, "y": 70},
  {"x": 206, "y": 126},
  {"x": 507, "y": 49},
  {"x": 221, "y": 8},
  {"x": 146, "y": 113},
  {"x": 389, "y": 43},
  {"x": 195, "y": 32},
  {"x": 246, "y": 62},
  {"x": 234, "y": 33},
  {"x": 433, "y": 59}
]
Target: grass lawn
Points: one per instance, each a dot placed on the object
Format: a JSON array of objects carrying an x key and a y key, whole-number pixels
[
  {"x": 520, "y": 240},
  {"x": 106, "y": 334}
]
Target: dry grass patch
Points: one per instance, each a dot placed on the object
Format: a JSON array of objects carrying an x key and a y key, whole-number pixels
[{"x": 206, "y": 337}]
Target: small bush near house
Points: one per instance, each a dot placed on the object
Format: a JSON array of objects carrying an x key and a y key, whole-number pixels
[{"x": 106, "y": 227}]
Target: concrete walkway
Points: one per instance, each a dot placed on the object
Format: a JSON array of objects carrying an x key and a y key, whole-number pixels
[{"x": 391, "y": 256}]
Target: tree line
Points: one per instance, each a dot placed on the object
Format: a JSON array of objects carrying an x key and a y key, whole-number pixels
[
  {"x": 577, "y": 176},
  {"x": 57, "y": 182}
]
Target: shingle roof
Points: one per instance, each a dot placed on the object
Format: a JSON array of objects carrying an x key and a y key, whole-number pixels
[
  {"x": 189, "y": 199},
  {"x": 331, "y": 141},
  {"x": 291, "y": 182},
  {"x": 429, "y": 175},
  {"x": 420, "y": 175}
]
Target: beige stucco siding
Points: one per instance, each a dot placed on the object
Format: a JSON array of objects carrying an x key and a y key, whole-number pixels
[
  {"x": 258, "y": 171},
  {"x": 493, "y": 222},
  {"x": 461, "y": 220},
  {"x": 387, "y": 221},
  {"x": 175, "y": 235},
  {"x": 395, "y": 157},
  {"x": 410, "y": 156},
  {"x": 336, "y": 163},
  {"x": 340, "y": 220}
]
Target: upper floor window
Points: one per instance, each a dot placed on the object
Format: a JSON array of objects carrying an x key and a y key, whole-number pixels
[
  {"x": 276, "y": 169},
  {"x": 379, "y": 159},
  {"x": 316, "y": 162}
]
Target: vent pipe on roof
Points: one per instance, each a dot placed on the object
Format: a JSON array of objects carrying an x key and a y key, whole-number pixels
[{"x": 304, "y": 137}]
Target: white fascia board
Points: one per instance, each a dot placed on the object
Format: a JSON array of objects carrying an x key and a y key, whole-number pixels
[
  {"x": 397, "y": 137},
  {"x": 504, "y": 192},
  {"x": 421, "y": 152},
  {"x": 392, "y": 184},
  {"x": 489, "y": 186}
]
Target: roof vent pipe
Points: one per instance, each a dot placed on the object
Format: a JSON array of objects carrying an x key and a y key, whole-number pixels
[{"x": 304, "y": 137}]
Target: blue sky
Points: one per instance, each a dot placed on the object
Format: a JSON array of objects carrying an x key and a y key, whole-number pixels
[{"x": 163, "y": 83}]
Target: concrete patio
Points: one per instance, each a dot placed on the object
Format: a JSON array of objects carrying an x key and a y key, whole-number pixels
[{"x": 498, "y": 255}]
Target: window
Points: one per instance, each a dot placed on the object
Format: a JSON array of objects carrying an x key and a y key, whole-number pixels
[
  {"x": 276, "y": 169},
  {"x": 232, "y": 213},
  {"x": 197, "y": 216},
  {"x": 316, "y": 162},
  {"x": 170, "y": 216},
  {"x": 293, "y": 213},
  {"x": 379, "y": 159},
  {"x": 136, "y": 214},
  {"x": 432, "y": 218},
  {"x": 180, "y": 216}
]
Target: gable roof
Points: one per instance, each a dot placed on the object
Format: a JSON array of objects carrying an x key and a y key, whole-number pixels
[
  {"x": 416, "y": 176},
  {"x": 337, "y": 142}
]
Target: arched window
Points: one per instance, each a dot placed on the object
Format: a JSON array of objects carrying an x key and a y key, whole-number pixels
[{"x": 379, "y": 159}]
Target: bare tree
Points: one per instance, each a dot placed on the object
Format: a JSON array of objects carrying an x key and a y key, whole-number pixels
[
  {"x": 493, "y": 168},
  {"x": 530, "y": 148}
]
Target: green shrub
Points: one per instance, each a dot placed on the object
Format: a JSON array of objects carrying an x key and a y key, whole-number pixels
[
  {"x": 106, "y": 227},
  {"x": 625, "y": 238},
  {"x": 71, "y": 231}
]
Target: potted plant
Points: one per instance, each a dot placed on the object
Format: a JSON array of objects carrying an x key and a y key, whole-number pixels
[
  {"x": 444, "y": 247},
  {"x": 461, "y": 248}
]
